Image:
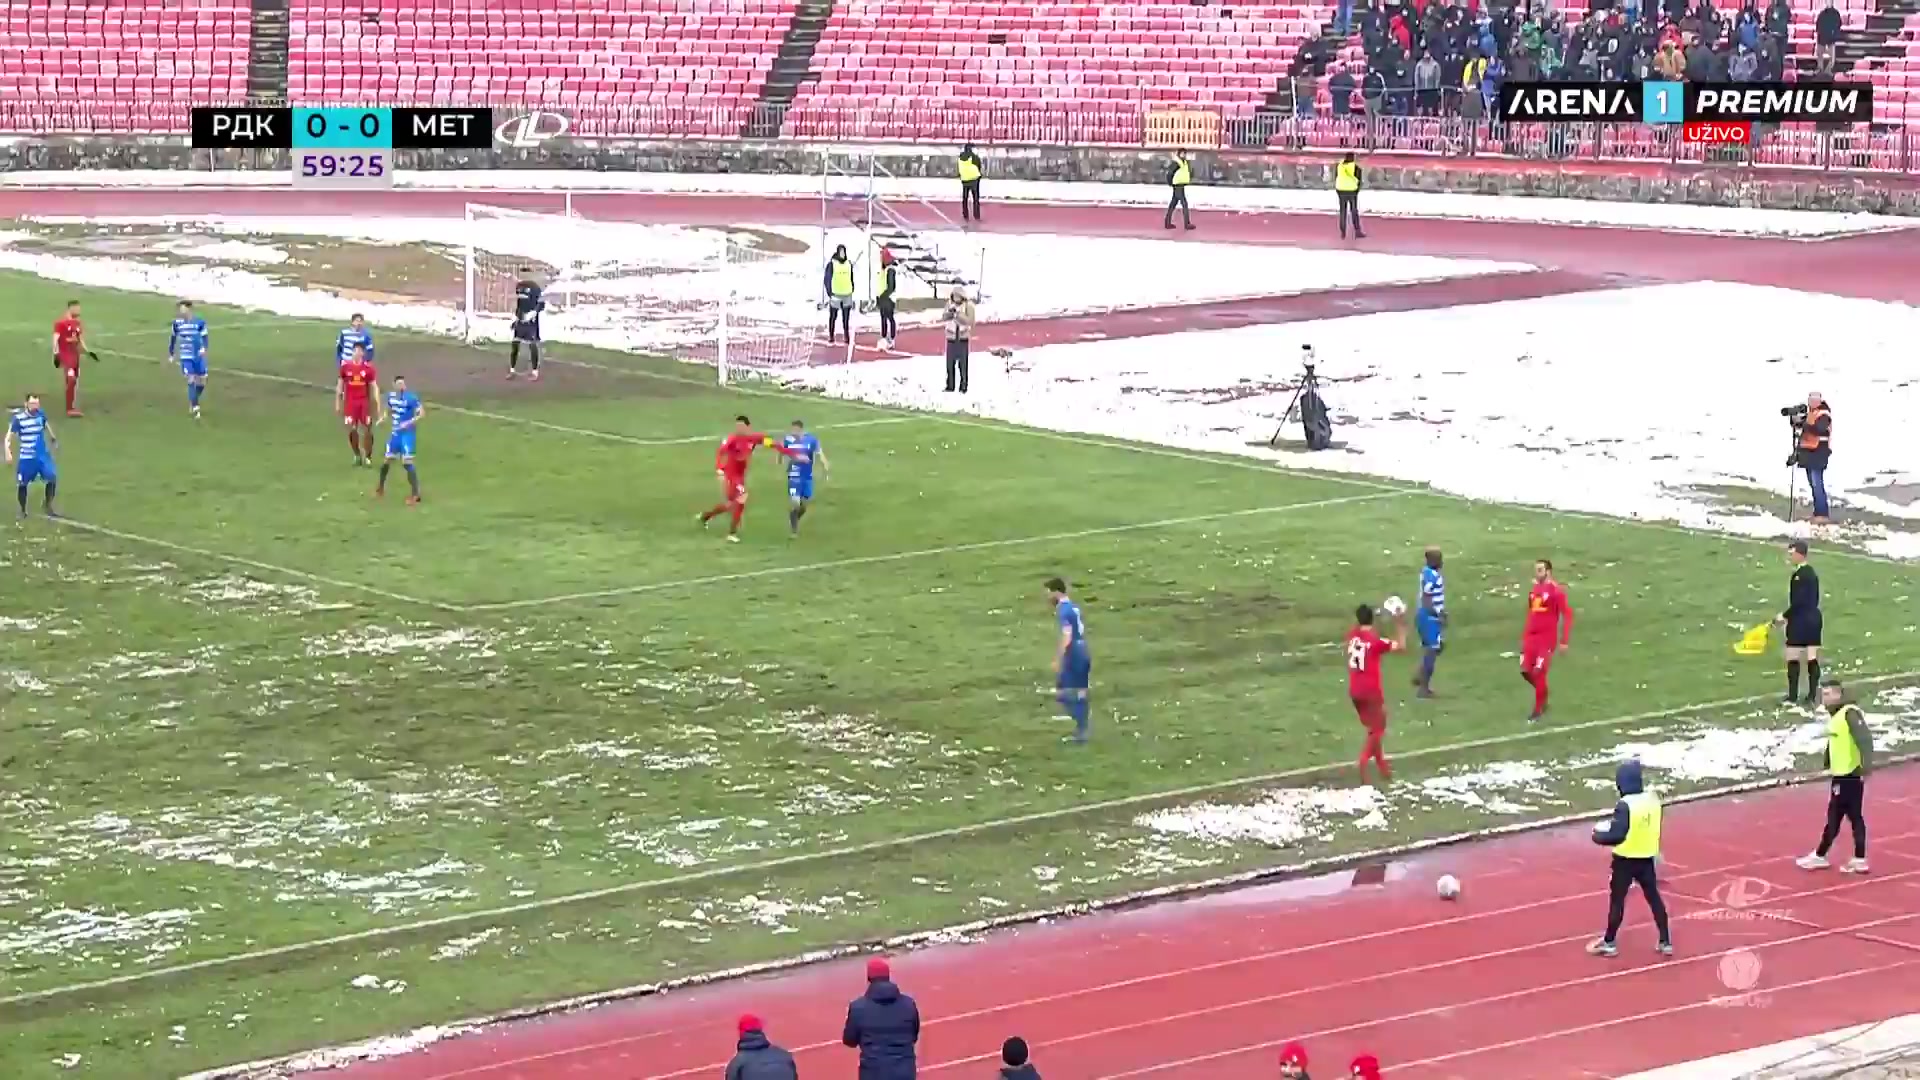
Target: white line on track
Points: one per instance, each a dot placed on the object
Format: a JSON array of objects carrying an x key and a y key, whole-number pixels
[
  {"x": 1447, "y": 925},
  {"x": 871, "y": 847},
  {"x": 923, "y": 553},
  {"x": 1458, "y": 1006}
]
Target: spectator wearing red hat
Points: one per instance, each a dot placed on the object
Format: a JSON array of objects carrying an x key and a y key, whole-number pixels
[
  {"x": 1293, "y": 1062},
  {"x": 884, "y": 1025},
  {"x": 1366, "y": 1067},
  {"x": 755, "y": 1058}
]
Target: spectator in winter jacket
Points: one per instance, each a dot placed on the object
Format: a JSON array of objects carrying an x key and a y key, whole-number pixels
[
  {"x": 884, "y": 1025},
  {"x": 1365, "y": 1067},
  {"x": 1340, "y": 89},
  {"x": 1779, "y": 18},
  {"x": 1014, "y": 1063},
  {"x": 1293, "y": 1062},
  {"x": 1426, "y": 85},
  {"x": 1744, "y": 65},
  {"x": 1826, "y": 32},
  {"x": 755, "y": 1058}
]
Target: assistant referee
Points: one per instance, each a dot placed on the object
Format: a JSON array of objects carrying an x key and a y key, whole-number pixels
[
  {"x": 1634, "y": 835},
  {"x": 1849, "y": 759},
  {"x": 1803, "y": 624}
]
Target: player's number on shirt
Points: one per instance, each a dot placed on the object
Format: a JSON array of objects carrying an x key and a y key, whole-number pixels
[{"x": 1357, "y": 654}]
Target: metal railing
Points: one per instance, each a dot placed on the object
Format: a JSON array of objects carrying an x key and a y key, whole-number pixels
[{"x": 1861, "y": 148}]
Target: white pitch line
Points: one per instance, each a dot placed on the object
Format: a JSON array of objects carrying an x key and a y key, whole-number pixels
[
  {"x": 922, "y": 553},
  {"x": 871, "y": 847},
  {"x": 284, "y": 571}
]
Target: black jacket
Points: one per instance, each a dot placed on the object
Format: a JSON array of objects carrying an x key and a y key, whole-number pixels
[
  {"x": 757, "y": 1059},
  {"x": 1803, "y": 596},
  {"x": 1628, "y": 781},
  {"x": 1019, "y": 1072},
  {"x": 885, "y": 1025},
  {"x": 1826, "y": 26}
]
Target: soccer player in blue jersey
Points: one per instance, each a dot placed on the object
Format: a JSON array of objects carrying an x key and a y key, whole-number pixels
[
  {"x": 1072, "y": 663},
  {"x": 29, "y": 448},
  {"x": 354, "y": 336},
  {"x": 806, "y": 454},
  {"x": 405, "y": 409},
  {"x": 1430, "y": 618},
  {"x": 188, "y": 345}
]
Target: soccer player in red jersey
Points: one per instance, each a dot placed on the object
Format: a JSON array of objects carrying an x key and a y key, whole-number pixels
[
  {"x": 1549, "y": 630},
  {"x": 1365, "y": 647},
  {"x": 730, "y": 464},
  {"x": 68, "y": 343},
  {"x": 353, "y": 400}
]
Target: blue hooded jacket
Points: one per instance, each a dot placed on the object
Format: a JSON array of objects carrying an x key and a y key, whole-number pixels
[
  {"x": 1628, "y": 780},
  {"x": 758, "y": 1059},
  {"x": 885, "y": 1025}
]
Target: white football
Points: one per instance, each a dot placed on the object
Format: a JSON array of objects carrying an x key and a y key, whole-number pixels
[
  {"x": 1449, "y": 887},
  {"x": 1394, "y": 607}
]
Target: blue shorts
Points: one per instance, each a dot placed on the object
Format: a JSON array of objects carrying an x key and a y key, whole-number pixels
[
  {"x": 400, "y": 444},
  {"x": 800, "y": 487},
  {"x": 193, "y": 367},
  {"x": 1431, "y": 630},
  {"x": 1076, "y": 671},
  {"x": 37, "y": 469}
]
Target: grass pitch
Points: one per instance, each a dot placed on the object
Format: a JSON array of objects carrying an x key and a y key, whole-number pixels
[{"x": 543, "y": 736}]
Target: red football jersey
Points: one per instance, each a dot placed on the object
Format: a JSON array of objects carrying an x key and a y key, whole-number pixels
[
  {"x": 356, "y": 381},
  {"x": 736, "y": 450},
  {"x": 1548, "y": 614},
  {"x": 1365, "y": 647},
  {"x": 66, "y": 335}
]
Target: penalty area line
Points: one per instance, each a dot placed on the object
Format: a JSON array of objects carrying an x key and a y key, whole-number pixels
[
  {"x": 897, "y": 843},
  {"x": 923, "y": 553},
  {"x": 255, "y": 564}
]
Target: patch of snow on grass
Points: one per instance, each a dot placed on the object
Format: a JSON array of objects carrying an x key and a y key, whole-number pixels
[{"x": 1279, "y": 818}]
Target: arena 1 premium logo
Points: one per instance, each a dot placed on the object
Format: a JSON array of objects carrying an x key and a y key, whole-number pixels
[{"x": 530, "y": 130}]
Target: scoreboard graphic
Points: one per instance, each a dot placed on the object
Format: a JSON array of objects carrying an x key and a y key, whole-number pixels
[{"x": 350, "y": 148}]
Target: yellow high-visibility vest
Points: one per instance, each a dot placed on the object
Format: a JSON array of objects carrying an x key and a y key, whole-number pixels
[
  {"x": 1346, "y": 176},
  {"x": 1182, "y": 174},
  {"x": 880, "y": 281},
  {"x": 1843, "y": 754},
  {"x": 1643, "y": 827},
  {"x": 969, "y": 172},
  {"x": 842, "y": 278}
]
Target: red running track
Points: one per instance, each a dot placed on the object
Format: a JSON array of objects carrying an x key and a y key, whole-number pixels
[{"x": 1495, "y": 986}]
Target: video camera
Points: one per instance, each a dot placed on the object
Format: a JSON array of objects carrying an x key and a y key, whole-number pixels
[{"x": 1795, "y": 414}]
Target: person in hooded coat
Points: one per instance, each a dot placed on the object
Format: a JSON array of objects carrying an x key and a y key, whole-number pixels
[
  {"x": 1015, "y": 1061},
  {"x": 1293, "y": 1062},
  {"x": 884, "y": 1025},
  {"x": 755, "y": 1058},
  {"x": 1633, "y": 832}
]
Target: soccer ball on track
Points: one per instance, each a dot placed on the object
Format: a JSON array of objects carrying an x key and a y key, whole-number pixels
[
  {"x": 1448, "y": 887},
  {"x": 1394, "y": 607}
]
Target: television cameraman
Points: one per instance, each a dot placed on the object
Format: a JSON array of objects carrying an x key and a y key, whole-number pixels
[{"x": 1812, "y": 447}]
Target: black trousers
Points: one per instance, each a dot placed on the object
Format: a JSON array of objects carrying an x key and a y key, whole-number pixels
[
  {"x": 957, "y": 364},
  {"x": 1845, "y": 797},
  {"x": 1626, "y": 874},
  {"x": 1349, "y": 208},
  {"x": 1178, "y": 201},
  {"x": 888, "y": 328},
  {"x": 970, "y": 200}
]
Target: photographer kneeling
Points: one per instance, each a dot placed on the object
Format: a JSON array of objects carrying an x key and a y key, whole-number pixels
[{"x": 1813, "y": 446}]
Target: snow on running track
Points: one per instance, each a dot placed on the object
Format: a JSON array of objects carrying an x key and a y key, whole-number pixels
[{"x": 1497, "y": 985}]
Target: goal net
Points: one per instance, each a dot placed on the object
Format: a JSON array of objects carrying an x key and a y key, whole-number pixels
[{"x": 742, "y": 301}]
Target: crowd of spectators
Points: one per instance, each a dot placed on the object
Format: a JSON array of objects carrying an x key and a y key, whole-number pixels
[{"x": 1449, "y": 57}]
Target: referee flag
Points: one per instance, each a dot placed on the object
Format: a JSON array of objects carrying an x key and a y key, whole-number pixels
[{"x": 1754, "y": 641}]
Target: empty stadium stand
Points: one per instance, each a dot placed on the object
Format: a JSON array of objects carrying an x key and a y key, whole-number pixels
[{"x": 123, "y": 65}]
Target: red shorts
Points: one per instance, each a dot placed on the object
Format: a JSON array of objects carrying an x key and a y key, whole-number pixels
[
  {"x": 1373, "y": 712},
  {"x": 71, "y": 365},
  {"x": 1536, "y": 656},
  {"x": 736, "y": 485},
  {"x": 356, "y": 413}
]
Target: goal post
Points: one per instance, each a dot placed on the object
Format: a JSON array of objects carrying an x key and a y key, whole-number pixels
[{"x": 745, "y": 302}]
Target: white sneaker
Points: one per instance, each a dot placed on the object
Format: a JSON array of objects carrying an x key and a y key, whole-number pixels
[
  {"x": 1812, "y": 862},
  {"x": 1854, "y": 866}
]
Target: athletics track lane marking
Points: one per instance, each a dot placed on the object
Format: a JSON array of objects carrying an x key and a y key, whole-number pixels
[{"x": 764, "y": 866}]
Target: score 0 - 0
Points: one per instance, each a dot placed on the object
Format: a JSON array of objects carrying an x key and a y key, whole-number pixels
[{"x": 342, "y": 148}]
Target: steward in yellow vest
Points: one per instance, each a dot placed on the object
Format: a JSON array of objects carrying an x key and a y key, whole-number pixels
[
  {"x": 969, "y": 184},
  {"x": 1179, "y": 175},
  {"x": 1346, "y": 186},
  {"x": 1633, "y": 832},
  {"x": 885, "y": 283},
  {"x": 838, "y": 283},
  {"x": 1849, "y": 754}
]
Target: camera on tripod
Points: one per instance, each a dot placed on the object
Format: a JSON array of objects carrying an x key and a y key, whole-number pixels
[
  {"x": 1795, "y": 414},
  {"x": 1316, "y": 422}
]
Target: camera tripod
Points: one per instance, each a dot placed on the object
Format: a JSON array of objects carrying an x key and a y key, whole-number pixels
[{"x": 1315, "y": 422}]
